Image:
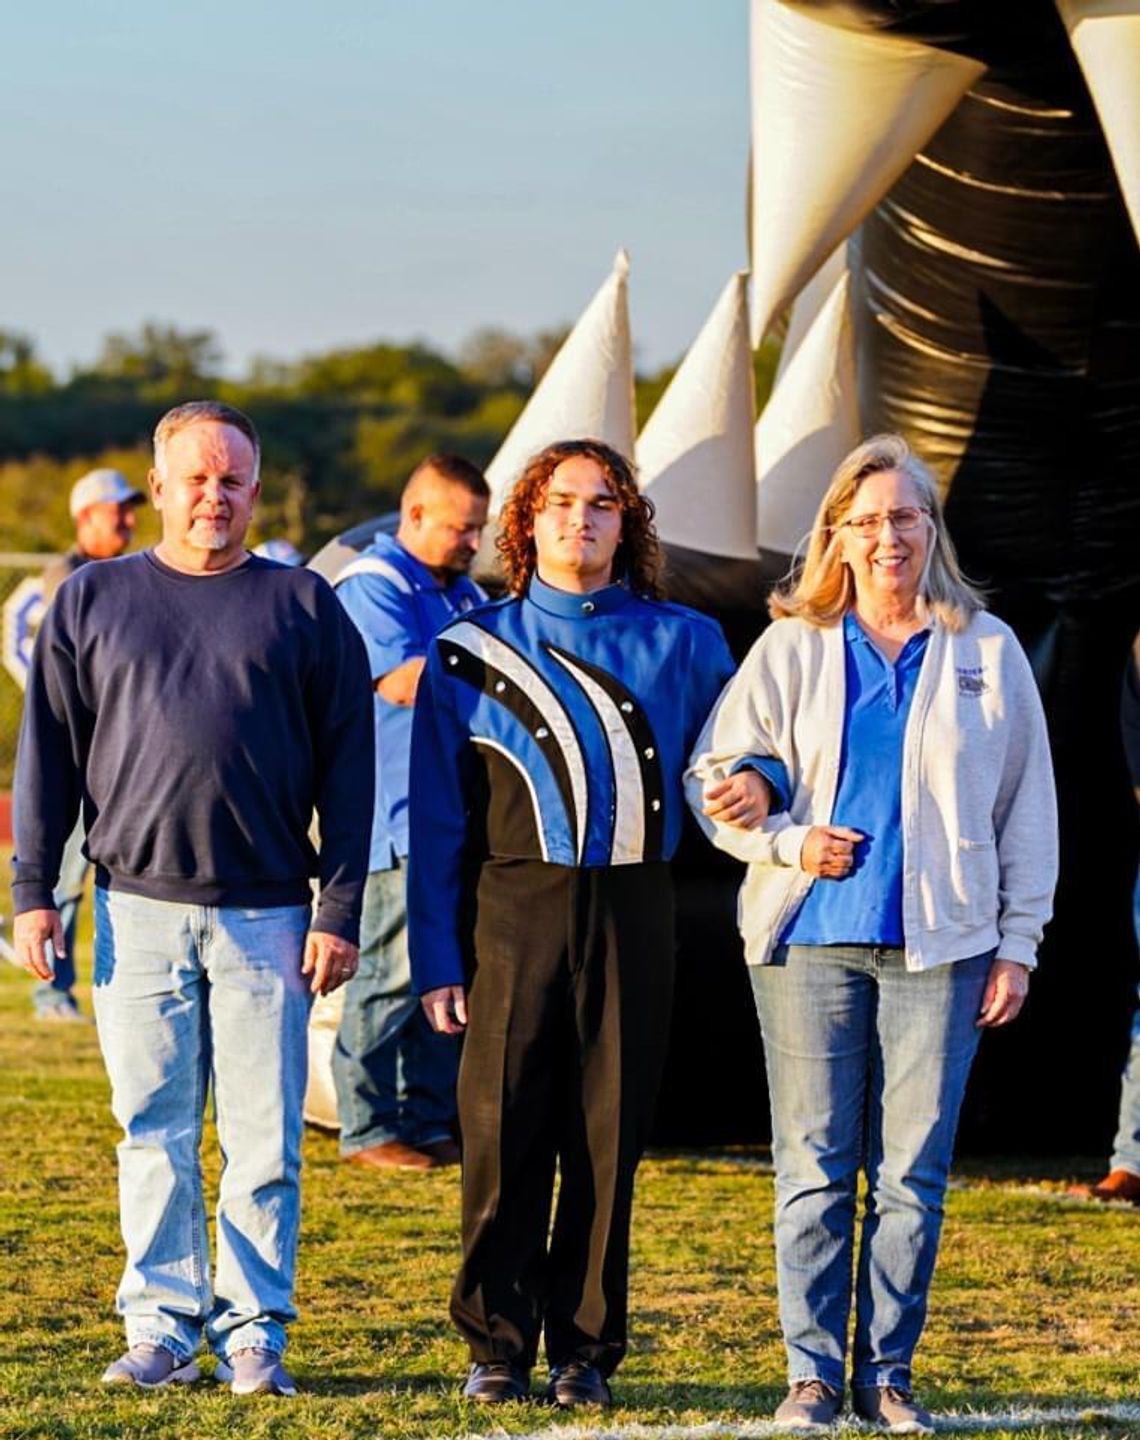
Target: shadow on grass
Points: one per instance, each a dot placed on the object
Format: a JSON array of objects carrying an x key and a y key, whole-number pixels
[
  {"x": 347, "y": 1386},
  {"x": 755, "y": 1401},
  {"x": 1027, "y": 1170},
  {"x": 643, "y": 1396}
]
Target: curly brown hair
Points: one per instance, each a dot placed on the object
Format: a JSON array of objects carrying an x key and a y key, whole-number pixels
[{"x": 638, "y": 560}]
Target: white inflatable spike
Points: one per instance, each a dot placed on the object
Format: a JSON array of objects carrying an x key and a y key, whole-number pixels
[
  {"x": 586, "y": 393},
  {"x": 810, "y": 422},
  {"x": 695, "y": 455},
  {"x": 837, "y": 115},
  {"x": 809, "y": 302},
  {"x": 1105, "y": 34}
]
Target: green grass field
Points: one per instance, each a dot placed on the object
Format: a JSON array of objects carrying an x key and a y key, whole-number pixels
[{"x": 1036, "y": 1306}]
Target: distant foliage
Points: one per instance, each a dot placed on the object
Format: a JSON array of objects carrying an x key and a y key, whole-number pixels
[
  {"x": 20, "y": 371},
  {"x": 342, "y": 430},
  {"x": 162, "y": 363}
]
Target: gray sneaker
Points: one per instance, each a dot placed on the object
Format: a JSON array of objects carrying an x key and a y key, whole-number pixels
[
  {"x": 61, "y": 1011},
  {"x": 809, "y": 1405},
  {"x": 255, "y": 1372},
  {"x": 150, "y": 1366},
  {"x": 892, "y": 1409}
]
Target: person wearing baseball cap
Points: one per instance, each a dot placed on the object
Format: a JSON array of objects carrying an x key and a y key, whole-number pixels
[{"x": 102, "y": 505}]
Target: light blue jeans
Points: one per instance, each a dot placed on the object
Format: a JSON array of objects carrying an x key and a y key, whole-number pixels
[
  {"x": 867, "y": 1066},
  {"x": 1126, "y": 1147},
  {"x": 395, "y": 1077},
  {"x": 57, "y": 992},
  {"x": 185, "y": 995}
]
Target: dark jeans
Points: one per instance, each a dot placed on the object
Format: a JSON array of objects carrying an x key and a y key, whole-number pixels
[{"x": 394, "y": 1076}]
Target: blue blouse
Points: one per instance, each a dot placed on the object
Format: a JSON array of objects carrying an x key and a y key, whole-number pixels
[{"x": 865, "y": 907}]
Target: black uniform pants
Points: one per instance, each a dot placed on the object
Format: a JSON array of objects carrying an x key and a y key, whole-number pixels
[{"x": 569, "y": 1010}]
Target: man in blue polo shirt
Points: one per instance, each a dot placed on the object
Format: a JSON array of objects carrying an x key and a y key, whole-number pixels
[{"x": 394, "y": 1076}]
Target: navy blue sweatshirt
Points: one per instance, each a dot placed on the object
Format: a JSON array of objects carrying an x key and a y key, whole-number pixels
[{"x": 199, "y": 720}]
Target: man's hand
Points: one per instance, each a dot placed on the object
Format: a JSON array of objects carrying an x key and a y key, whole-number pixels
[
  {"x": 446, "y": 1009},
  {"x": 30, "y": 933},
  {"x": 829, "y": 851},
  {"x": 329, "y": 960},
  {"x": 743, "y": 800},
  {"x": 1006, "y": 988},
  {"x": 399, "y": 686}
]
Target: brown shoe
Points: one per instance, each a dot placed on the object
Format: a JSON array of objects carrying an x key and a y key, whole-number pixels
[
  {"x": 1116, "y": 1185},
  {"x": 892, "y": 1409},
  {"x": 443, "y": 1152},
  {"x": 393, "y": 1155}
]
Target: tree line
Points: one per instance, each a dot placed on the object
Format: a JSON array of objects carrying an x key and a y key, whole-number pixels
[{"x": 341, "y": 429}]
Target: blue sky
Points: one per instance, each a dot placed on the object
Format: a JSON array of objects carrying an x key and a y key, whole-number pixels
[{"x": 297, "y": 175}]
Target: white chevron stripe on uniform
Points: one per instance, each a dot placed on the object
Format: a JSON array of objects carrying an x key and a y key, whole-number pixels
[
  {"x": 516, "y": 668},
  {"x": 629, "y": 792}
]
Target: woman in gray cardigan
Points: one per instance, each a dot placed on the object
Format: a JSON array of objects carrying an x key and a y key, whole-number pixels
[{"x": 892, "y": 905}]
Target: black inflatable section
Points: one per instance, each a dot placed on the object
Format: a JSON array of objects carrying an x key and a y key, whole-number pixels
[
  {"x": 999, "y": 328},
  {"x": 998, "y": 321}
]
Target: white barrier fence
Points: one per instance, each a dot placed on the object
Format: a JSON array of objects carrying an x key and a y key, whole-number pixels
[{"x": 21, "y": 610}]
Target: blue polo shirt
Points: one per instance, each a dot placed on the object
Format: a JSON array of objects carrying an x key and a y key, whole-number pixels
[
  {"x": 865, "y": 907},
  {"x": 398, "y": 606}
]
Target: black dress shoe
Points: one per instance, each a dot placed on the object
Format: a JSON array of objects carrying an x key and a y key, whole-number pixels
[
  {"x": 496, "y": 1382},
  {"x": 577, "y": 1383}
]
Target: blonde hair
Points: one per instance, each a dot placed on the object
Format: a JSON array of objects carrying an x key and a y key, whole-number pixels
[{"x": 821, "y": 590}]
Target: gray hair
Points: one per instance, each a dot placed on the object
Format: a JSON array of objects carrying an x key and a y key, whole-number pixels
[{"x": 194, "y": 412}]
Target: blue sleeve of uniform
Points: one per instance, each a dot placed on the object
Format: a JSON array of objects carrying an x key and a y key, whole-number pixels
[
  {"x": 386, "y": 618},
  {"x": 54, "y": 733},
  {"x": 712, "y": 667},
  {"x": 776, "y": 774},
  {"x": 437, "y": 833},
  {"x": 345, "y": 771}
]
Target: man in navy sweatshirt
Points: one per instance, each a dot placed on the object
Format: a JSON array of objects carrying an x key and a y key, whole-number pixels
[{"x": 198, "y": 703}]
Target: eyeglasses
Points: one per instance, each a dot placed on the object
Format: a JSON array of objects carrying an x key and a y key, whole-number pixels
[{"x": 906, "y": 517}]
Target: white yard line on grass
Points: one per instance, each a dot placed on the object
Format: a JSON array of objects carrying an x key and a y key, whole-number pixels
[{"x": 970, "y": 1423}]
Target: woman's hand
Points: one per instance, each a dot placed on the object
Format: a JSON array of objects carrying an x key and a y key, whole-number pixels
[
  {"x": 743, "y": 800},
  {"x": 1005, "y": 992},
  {"x": 829, "y": 851}
]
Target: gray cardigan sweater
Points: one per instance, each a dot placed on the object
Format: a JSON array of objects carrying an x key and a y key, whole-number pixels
[{"x": 979, "y": 808}]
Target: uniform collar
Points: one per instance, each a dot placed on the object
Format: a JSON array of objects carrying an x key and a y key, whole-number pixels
[{"x": 572, "y": 606}]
